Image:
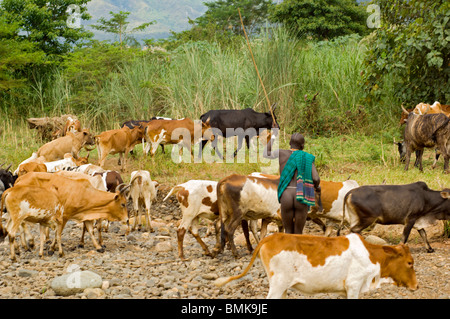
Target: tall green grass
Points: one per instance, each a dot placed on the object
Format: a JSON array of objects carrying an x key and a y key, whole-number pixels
[{"x": 200, "y": 76}]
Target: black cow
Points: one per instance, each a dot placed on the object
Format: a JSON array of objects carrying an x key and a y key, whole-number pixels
[
  {"x": 7, "y": 179},
  {"x": 428, "y": 130},
  {"x": 412, "y": 205},
  {"x": 241, "y": 123}
]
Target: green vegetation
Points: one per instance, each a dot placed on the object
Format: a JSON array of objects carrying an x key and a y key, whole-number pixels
[
  {"x": 413, "y": 47},
  {"x": 322, "y": 88}
]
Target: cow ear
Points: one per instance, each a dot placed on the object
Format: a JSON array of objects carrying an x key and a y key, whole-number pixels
[
  {"x": 390, "y": 250},
  {"x": 116, "y": 197},
  {"x": 445, "y": 194}
]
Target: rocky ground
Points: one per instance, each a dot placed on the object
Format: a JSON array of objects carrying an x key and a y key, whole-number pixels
[{"x": 146, "y": 265}]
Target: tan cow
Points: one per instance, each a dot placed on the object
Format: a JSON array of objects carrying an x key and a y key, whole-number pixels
[
  {"x": 182, "y": 132},
  {"x": 52, "y": 200},
  {"x": 120, "y": 141},
  {"x": 31, "y": 167},
  {"x": 423, "y": 108},
  {"x": 71, "y": 143},
  {"x": 345, "y": 265}
]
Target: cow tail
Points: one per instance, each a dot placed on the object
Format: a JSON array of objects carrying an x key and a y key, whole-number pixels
[
  {"x": 173, "y": 191},
  {"x": 343, "y": 213},
  {"x": 219, "y": 282}
]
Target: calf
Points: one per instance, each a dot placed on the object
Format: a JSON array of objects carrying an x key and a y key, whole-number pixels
[
  {"x": 142, "y": 192},
  {"x": 241, "y": 198},
  {"x": 120, "y": 141},
  {"x": 345, "y": 265},
  {"x": 412, "y": 205},
  {"x": 111, "y": 179},
  {"x": 182, "y": 132},
  {"x": 52, "y": 200},
  {"x": 71, "y": 143}
]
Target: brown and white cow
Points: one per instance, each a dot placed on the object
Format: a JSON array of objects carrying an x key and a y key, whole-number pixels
[
  {"x": 71, "y": 143},
  {"x": 120, "y": 141},
  {"x": 332, "y": 196},
  {"x": 241, "y": 198},
  {"x": 52, "y": 200},
  {"x": 345, "y": 265},
  {"x": 198, "y": 199},
  {"x": 182, "y": 132}
]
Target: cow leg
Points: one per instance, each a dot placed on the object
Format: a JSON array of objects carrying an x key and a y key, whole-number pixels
[
  {"x": 423, "y": 234},
  {"x": 11, "y": 247},
  {"x": 90, "y": 228},
  {"x": 407, "y": 157},
  {"x": 148, "y": 218},
  {"x": 81, "y": 243},
  {"x": 254, "y": 228},
  {"x": 42, "y": 238},
  {"x": 407, "y": 230},
  {"x": 229, "y": 233},
  {"x": 194, "y": 232},
  {"x": 98, "y": 224},
  {"x": 419, "y": 155},
  {"x": 244, "y": 224},
  {"x": 436, "y": 158},
  {"x": 263, "y": 232},
  {"x": 201, "y": 146},
  {"x": 59, "y": 230},
  {"x": 180, "y": 237}
]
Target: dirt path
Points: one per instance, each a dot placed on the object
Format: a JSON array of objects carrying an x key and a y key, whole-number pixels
[{"x": 146, "y": 265}]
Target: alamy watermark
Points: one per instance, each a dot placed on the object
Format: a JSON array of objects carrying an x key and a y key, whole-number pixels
[
  {"x": 74, "y": 19},
  {"x": 373, "y": 20}
]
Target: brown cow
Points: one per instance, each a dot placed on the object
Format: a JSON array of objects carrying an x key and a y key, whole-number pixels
[
  {"x": 71, "y": 143},
  {"x": 345, "y": 265},
  {"x": 182, "y": 132},
  {"x": 52, "y": 200},
  {"x": 120, "y": 141}
]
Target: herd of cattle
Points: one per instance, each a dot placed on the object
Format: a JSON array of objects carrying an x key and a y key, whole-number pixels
[{"x": 56, "y": 185}]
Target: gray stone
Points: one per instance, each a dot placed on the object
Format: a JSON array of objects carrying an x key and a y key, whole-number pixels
[
  {"x": 26, "y": 273},
  {"x": 75, "y": 282}
]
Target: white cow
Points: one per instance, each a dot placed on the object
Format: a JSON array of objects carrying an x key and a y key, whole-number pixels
[{"x": 142, "y": 192}]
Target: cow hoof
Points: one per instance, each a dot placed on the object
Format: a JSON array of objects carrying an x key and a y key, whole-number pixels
[
  {"x": 430, "y": 250},
  {"x": 80, "y": 245},
  {"x": 101, "y": 250}
]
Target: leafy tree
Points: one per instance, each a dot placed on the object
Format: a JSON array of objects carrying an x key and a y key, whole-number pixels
[
  {"x": 118, "y": 24},
  {"x": 15, "y": 55},
  {"x": 224, "y": 14},
  {"x": 44, "y": 23},
  {"x": 412, "y": 46},
  {"x": 321, "y": 19}
]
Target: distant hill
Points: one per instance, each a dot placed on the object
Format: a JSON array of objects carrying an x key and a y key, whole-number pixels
[{"x": 170, "y": 15}]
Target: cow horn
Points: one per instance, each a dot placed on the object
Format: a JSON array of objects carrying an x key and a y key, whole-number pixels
[
  {"x": 405, "y": 111},
  {"x": 274, "y": 105},
  {"x": 7, "y": 169}
]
